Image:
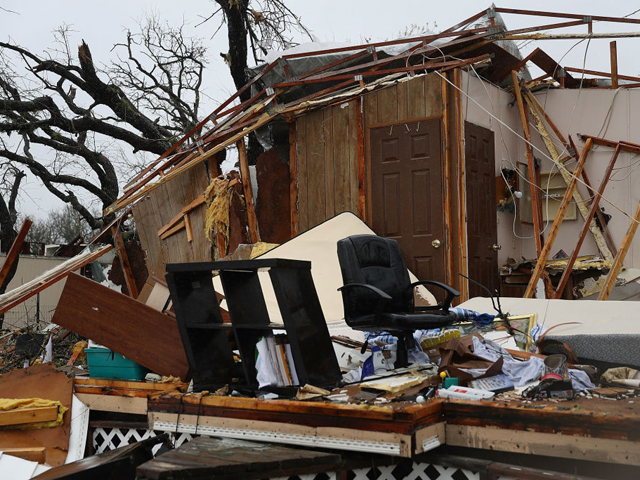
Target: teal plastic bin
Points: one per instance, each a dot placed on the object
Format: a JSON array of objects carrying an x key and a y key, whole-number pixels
[{"x": 105, "y": 363}]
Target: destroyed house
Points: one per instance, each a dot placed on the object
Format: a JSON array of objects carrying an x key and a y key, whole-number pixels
[
  {"x": 491, "y": 168},
  {"x": 427, "y": 141}
]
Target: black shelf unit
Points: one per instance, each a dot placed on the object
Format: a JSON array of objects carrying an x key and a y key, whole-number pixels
[{"x": 205, "y": 336}]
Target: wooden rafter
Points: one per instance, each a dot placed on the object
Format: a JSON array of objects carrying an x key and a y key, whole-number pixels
[
  {"x": 555, "y": 228},
  {"x": 594, "y": 207},
  {"x": 14, "y": 251}
]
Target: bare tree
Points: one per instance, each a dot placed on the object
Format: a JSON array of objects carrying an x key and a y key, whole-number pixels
[
  {"x": 69, "y": 122},
  {"x": 261, "y": 25}
]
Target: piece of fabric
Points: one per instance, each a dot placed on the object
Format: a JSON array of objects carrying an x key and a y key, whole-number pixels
[
  {"x": 466, "y": 315},
  {"x": 522, "y": 372}
]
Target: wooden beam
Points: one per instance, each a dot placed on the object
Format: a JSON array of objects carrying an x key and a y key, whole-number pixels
[
  {"x": 22, "y": 293},
  {"x": 199, "y": 200},
  {"x": 622, "y": 252},
  {"x": 537, "y": 227},
  {"x": 594, "y": 207},
  {"x": 175, "y": 229},
  {"x": 245, "y": 174},
  {"x": 601, "y": 231},
  {"x": 614, "y": 64},
  {"x": 121, "y": 251},
  {"x": 293, "y": 178},
  {"x": 360, "y": 150},
  {"x": 555, "y": 228},
  {"x": 122, "y": 202},
  {"x": 14, "y": 251},
  {"x": 597, "y": 232},
  {"x": 448, "y": 233},
  {"x": 570, "y": 36},
  {"x": 539, "y": 13},
  {"x": 114, "y": 403},
  {"x": 601, "y": 74},
  {"x": 462, "y": 182},
  {"x": 187, "y": 226},
  {"x": 20, "y": 416},
  {"x": 33, "y": 454}
]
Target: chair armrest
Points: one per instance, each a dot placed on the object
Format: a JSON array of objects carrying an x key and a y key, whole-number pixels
[
  {"x": 451, "y": 292},
  {"x": 376, "y": 290}
]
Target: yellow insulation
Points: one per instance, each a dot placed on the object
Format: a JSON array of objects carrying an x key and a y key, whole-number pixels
[{"x": 7, "y": 404}]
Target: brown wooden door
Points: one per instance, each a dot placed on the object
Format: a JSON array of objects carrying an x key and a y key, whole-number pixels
[
  {"x": 481, "y": 209},
  {"x": 407, "y": 197}
]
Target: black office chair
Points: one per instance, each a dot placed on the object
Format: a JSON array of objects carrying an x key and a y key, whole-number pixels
[{"x": 378, "y": 295}]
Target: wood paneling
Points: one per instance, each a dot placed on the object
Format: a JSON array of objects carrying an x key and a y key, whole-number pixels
[
  {"x": 159, "y": 207},
  {"x": 316, "y": 158},
  {"x": 327, "y": 144}
]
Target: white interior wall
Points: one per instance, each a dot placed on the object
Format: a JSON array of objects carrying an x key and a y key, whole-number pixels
[{"x": 599, "y": 112}]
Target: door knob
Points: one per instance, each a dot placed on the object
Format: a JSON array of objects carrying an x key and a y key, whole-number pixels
[
  {"x": 496, "y": 247},
  {"x": 436, "y": 243}
]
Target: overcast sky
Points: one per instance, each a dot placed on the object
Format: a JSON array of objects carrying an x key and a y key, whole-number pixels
[{"x": 101, "y": 24}]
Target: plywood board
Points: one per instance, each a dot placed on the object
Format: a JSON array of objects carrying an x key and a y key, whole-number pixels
[
  {"x": 39, "y": 381},
  {"x": 122, "y": 324}
]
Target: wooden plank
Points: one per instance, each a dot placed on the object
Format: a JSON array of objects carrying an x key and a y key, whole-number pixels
[
  {"x": 362, "y": 194},
  {"x": 303, "y": 176},
  {"x": 245, "y": 175},
  {"x": 200, "y": 178},
  {"x": 622, "y": 252},
  {"x": 36, "y": 454},
  {"x": 614, "y": 64},
  {"x": 537, "y": 226},
  {"x": 433, "y": 96},
  {"x": 446, "y": 185},
  {"x": 416, "y": 98},
  {"x": 180, "y": 216},
  {"x": 175, "y": 229},
  {"x": 316, "y": 154},
  {"x": 342, "y": 194},
  {"x": 329, "y": 163},
  {"x": 463, "y": 261},
  {"x": 131, "y": 384},
  {"x": 403, "y": 100},
  {"x": 103, "y": 315},
  {"x": 29, "y": 289},
  {"x": 28, "y": 415},
  {"x": 187, "y": 226},
  {"x": 555, "y": 227},
  {"x": 387, "y": 105},
  {"x": 145, "y": 218},
  {"x": 283, "y": 432},
  {"x": 14, "y": 250},
  {"x": 353, "y": 149},
  {"x": 594, "y": 207},
  {"x": 577, "y": 447},
  {"x": 121, "y": 251},
  {"x": 293, "y": 179}
]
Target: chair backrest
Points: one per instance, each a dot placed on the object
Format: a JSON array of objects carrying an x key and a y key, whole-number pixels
[{"x": 375, "y": 261}]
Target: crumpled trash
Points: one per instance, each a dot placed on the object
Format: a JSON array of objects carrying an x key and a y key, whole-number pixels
[{"x": 623, "y": 376}]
